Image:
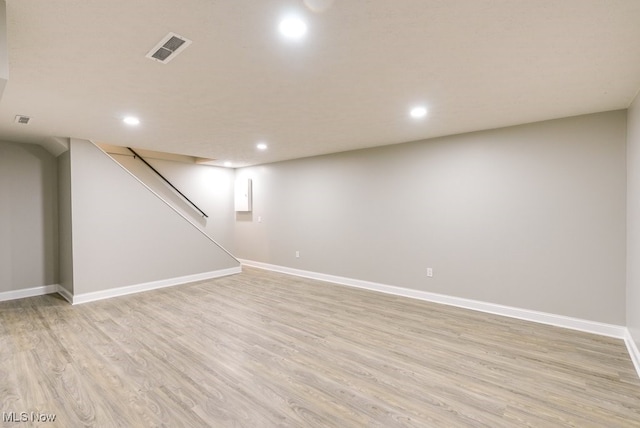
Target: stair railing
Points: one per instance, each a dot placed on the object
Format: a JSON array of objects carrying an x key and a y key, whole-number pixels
[{"x": 136, "y": 155}]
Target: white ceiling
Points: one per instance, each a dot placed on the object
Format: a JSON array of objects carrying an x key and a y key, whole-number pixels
[{"x": 78, "y": 67}]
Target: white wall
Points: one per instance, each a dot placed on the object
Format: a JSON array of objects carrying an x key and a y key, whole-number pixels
[
  {"x": 28, "y": 217},
  {"x": 125, "y": 235},
  {"x": 531, "y": 216},
  {"x": 633, "y": 220}
]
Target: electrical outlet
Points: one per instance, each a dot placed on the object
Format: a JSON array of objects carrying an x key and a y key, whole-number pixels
[
  {"x": 297, "y": 254},
  {"x": 429, "y": 272},
  {"x": 259, "y": 219}
]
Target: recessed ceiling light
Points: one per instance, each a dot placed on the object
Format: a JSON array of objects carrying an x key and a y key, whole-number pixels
[
  {"x": 293, "y": 27},
  {"x": 261, "y": 146},
  {"x": 130, "y": 120},
  {"x": 418, "y": 112},
  {"x": 227, "y": 164}
]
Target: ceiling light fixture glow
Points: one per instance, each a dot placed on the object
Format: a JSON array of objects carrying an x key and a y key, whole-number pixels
[
  {"x": 418, "y": 112},
  {"x": 261, "y": 146},
  {"x": 130, "y": 120},
  {"x": 293, "y": 27},
  {"x": 227, "y": 164}
]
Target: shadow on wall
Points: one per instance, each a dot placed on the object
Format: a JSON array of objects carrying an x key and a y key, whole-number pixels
[{"x": 244, "y": 216}]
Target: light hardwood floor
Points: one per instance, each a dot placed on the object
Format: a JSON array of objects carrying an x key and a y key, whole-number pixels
[{"x": 262, "y": 349}]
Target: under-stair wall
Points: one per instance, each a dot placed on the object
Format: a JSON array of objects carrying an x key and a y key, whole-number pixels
[
  {"x": 125, "y": 238},
  {"x": 210, "y": 188}
]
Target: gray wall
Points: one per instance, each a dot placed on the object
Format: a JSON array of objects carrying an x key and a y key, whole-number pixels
[
  {"x": 65, "y": 222},
  {"x": 4, "y": 51},
  {"x": 531, "y": 216},
  {"x": 633, "y": 220},
  {"x": 28, "y": 217},
  {"x": 209, "y": 187},
  {"x": 125, "y": 235}
]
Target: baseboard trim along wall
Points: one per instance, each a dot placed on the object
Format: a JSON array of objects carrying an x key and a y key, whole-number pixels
[
  {"x": 28, "y": 292},
  {"x": 633, "y": 351},
  {"x": 594, "y": 327},
  {"x": 66, "y": 294},
  {"x": 76, "y": 299},
  {"x": 115, "y": 292},
  {"x": 610, "y": 330},
  {"x": 603, "y": 329},
  {"x": 153, "y": 285}
]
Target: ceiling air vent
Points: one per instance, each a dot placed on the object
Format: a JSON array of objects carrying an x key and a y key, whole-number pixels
[
  {"x": 168, "y": 48},
  {"x": 24, "y": 120}
]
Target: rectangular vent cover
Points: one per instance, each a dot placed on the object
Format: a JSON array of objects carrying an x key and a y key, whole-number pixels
[
  {"x": 24, "y": 120},
  {"x": 168, "y": 48}
]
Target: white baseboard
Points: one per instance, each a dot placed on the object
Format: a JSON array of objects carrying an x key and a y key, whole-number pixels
[
  {"x": 75, "y": 299},
  {"x": 66, "y": 294},
  {"x": 153, "y": 285},
  {"x": 633, "y": 351},
  {"x": 595, "y": 327},
  {"x": 610, "y": 330},
  {"x": 28, "y": 292}
]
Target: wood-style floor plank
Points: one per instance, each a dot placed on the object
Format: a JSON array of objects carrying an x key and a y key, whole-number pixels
[{"x": 262, "y": 349}]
